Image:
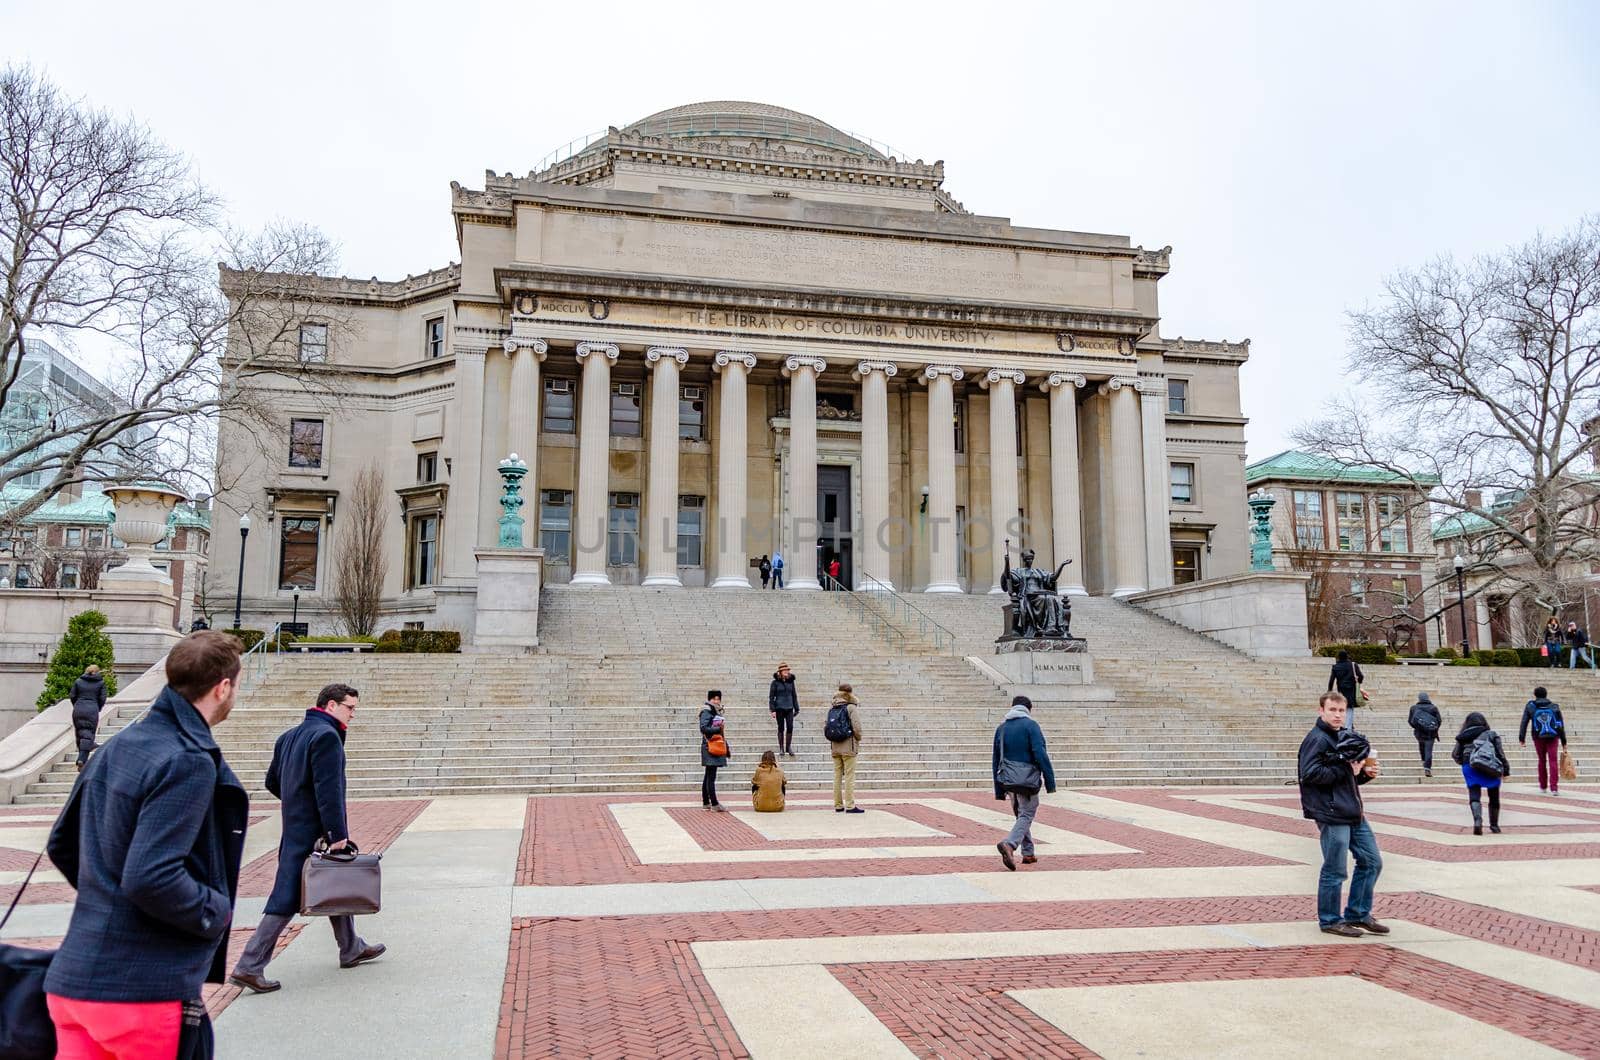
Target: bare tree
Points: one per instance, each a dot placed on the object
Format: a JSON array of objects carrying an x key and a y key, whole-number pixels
[
  {"x": 107, "y": 237},
  {"x": 1482, "y": 376},
  {"x": 360, "y": 562}
]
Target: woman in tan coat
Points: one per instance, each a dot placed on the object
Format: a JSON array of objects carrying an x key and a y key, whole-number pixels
[{"x": 768, "y": 785}]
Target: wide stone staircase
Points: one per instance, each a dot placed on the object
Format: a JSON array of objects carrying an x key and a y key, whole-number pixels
[{"x": 609, "y": 701}]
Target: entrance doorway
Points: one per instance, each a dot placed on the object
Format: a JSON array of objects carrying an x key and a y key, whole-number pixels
[{"x": 834, "y": 538}]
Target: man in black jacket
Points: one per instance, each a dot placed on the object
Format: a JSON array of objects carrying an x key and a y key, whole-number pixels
[
  {"x": 307, "y": 773},
  {"x": 1332, "y": 768},
  {"x": 151, "y": 839}
]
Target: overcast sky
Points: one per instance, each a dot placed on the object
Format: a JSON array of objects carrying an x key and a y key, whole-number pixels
[{"x": 1292, "y": 156}]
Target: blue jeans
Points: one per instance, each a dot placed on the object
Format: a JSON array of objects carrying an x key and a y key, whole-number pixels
[{"x": 1338, "y": 842}]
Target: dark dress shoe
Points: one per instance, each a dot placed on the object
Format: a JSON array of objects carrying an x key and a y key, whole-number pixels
[
  {"x": 371, "y": 953},
  {"x": 1005, "y": 855},
  {"x": 1371, "y": 926},
  {"x": 1349, "y": 931},
  {"x": 1029, "y": 859},
  {"x": 256, "y": 984}
]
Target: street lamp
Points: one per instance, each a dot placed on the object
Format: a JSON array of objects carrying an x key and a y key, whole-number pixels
[
  {"x": 295, "y": 621},
  {"x": 1461, "y": 598},
  {"x": 238, "y": 595}
]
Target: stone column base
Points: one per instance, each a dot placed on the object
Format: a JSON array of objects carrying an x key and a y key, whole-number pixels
[{"x": 506, "y": 615}]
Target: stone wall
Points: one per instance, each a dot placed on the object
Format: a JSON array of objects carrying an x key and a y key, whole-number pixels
[{"x": 1262, "y": 614}]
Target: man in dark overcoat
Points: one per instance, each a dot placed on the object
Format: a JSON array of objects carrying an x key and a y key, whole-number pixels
[{"x": 307, "y": 773}]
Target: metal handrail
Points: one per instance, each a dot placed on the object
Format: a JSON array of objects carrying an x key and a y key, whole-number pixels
[
  {"x": 943, "y": 639},
  {"x": 868, "y": 614},
  {"x": 252, "y": 669}
]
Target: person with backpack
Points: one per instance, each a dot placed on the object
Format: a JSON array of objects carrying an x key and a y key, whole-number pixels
[
  {"x": 1549, "y": 730},
  {"x": 768, "y": 786},
  {"x": 766, "y": 571},
  {"x": 777, "y": 570},
  {"x": 1425, "y": 721},
  {"x": 843, "y": 732},
  {"x": 714, "y": 751},
  {"x": 784, "y": 703},
  {"x": 1483, "y": 765},
  {"x": 1021, "y": 765},
  {"x": 1345, "y": 679}
]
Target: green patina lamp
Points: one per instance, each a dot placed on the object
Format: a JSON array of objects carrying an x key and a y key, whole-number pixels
[
  {"x": 1261, "y": 530},
  {"x": 512, "y": 470}
]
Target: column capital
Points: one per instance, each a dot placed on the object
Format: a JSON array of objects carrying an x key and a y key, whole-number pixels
[
  {"x": 677, "y": 353},
  {"x": 794, "y": 364},
  {"x": 1117, "y": 382},
  {"x": 995, "y": 375},
  {"x": 1056, "y": 379},
  {"x": 931, "y": 372},
  {"x": 607, "y": 349},
  {"x": 513, "y": 343},
  {"x": 726, "y": 357},
  {"x": 1152, "y": 388},
  {"x": 865, "y": 368}
]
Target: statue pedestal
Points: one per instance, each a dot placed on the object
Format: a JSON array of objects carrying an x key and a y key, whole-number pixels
[
  {"x": 1049, "y": 670},
  {"x": 506, "y": 617}
]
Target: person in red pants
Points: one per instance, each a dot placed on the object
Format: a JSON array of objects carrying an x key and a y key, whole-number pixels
[{"x": 1549, "y": 732}]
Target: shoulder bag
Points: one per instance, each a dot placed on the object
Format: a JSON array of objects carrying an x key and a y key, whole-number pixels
[
  {"x": 340, "y": 882},
  {"x": 26, "y": 1029}
]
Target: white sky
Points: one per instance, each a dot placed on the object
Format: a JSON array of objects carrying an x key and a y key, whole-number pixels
[{"x": 1292, "y": 155}]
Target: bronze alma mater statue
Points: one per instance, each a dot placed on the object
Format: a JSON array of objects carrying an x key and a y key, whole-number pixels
[{"x": 1038, "y": 611}]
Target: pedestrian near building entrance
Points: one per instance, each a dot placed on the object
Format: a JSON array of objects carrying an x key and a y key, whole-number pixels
[
  {"x": 843, "y": 732},
  {"x": 1552, "y": 641},
  {"x": 1021, "y": 765},
  {"x": 777, "y": 570},
  {"x": 1549, "y": 734},
  {"x": 1425, "y": 723},
  {"x": 768, "y": 786},
  {"x": 307, "y": 774},
  {"x": 784, "y": 703},
  {"x": 1333, "y": 766},
  {"x": 1578, "y": 647},
  {"x": 88, "y": 700},
  {"x": 765, "y": 566},
  {"x": 1483, "y": 765},
  {"x": 714, "y": 751},
  {"x": 151, "y": 838},
  {"x": 1345, "y": 679}
]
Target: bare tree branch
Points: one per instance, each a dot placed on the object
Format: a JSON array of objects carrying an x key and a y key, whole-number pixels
[{"x": 361, "y": 563}]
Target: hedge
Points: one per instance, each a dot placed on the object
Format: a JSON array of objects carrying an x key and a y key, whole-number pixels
[
  {"x": 251, "y": 637},
  {"x": 419, "y": 641},
  {"x": 1366, "y": 654},
  {"x": 1463, "y": 662},
  {"x": 83, "y": 644},
  {"x": 1446, "y": 653}
]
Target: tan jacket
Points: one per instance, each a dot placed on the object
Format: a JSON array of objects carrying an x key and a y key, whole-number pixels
[
  {"x": 768, "y": 783},
  {"x": 851, "y": 746}
]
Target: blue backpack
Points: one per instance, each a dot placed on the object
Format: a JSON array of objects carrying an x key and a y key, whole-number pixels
[{"x": 1545, "y": 725}]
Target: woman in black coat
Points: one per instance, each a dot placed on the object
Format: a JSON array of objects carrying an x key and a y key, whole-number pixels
[
  {"x": 711, "y": 721},
  {"x": 1475, "y": 726},
  {"x": 88, "y": 700},
  {"x": 1346, "y": 678}
]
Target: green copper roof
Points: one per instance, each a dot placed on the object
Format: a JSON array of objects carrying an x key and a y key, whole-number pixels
[
  {"x": 1469, "y": 523},
  {"x": 93, "y": 508},
  {"x": 1309, "y": 467}
]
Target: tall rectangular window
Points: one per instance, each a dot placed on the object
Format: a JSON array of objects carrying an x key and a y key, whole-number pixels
[
  {"x": 622, "y": 530},
  {"x": 1178, "y": 396},
  {"x": 1350, "y": 509},
  {"x": 424, "y": 550},
  {"x": 1308, "y": 524},
  {"x": 1358, "y": 591},
  {"x": 1393, "y": 535},
  {"x": 962, "y": 546},
  {"x": 433, "y": 338},
  {"x": 691, "y": 531},
  {"x": 692, "y": 412},
  {"x": 69, "y": 576},
  {"x": 961, "y": 425},
  {"x": 555, "y": 525},
  {"x": 314, "y": 343},
  {"x": 625, "y": 421},
  {"x": 297, "y": 553},
  {"x": 97, "y": 537},
  {"x": 1182, "y": 483},
  {"x": 305, "y": 443},
  {"x": 560, "y": 406},
  {"x": 74, "y": 537},
  {"x": 427, "y": 467},
  {"x": 1185, "y": 564}
]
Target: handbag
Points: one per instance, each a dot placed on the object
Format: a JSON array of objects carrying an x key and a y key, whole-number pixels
[
  {"x": 340, "y": 882},
  {"x": 26, "y": 1029},
  {"x": 1568, "y": 767},
  {"x": 1024, "y": 778},
  {"x": 716, "y": 746}
]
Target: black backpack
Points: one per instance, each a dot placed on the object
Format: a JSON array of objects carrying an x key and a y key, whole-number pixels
[
  {"x": 1481, "y": 755},
  {"x": 838, "y": 728}
]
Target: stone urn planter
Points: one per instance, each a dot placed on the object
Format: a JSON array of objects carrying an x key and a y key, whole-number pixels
[{"x": 142, "y": 513}]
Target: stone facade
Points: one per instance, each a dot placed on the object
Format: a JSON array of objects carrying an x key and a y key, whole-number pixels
[{"x": 713, "y": 346}]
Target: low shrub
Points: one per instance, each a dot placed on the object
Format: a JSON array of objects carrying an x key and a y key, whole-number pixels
[
  {"x": 248, "y": 637},
  {"x": 1507, "y": 657},
  {"x": 1446, "y": 653},
  {"x": 1365, "y": 654},
  {"x": 1485, "y": 656},
  {"x": 1530, "y": 657},
  {"x": 419, "y": 642},
  {"x": 1464, "y": 662},
  {"x": 331, "y": 639}
]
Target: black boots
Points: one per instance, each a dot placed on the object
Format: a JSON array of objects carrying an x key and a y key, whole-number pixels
[
  {"x": 1494, "y": 817},
  {"x": 1477, "y": 817}
]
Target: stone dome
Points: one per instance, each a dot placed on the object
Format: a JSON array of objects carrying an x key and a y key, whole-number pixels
[{"x": 735, "y": 120}]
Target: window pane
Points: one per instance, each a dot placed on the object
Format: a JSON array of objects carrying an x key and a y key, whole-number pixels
[
  {"x": 69, "y": 576},
  {"x": 625, "y": 410},
  {"x": 690, "y": 536},
  {"x": 305, "y": 443},
  {"x": 313, "y": 342},
  {"x": 427, "y": 467},
  {"x": 622, "y": 530},
  {"x": 560, "y": 407},
  {"x": 74, "y": 536},
  {"x": 1308, "y": 519},
  {"x": 1177, "y": 395},
  {"x": 297, "y": 558},
  {"x": 1185, "y": 564},
  {"x": 691, "y": 414},
  {"x": 1350, "y": 510},
  {"x": 424, "y": 549},
  {"x": 97, "y": 538},
  {"x": 1183, "y": 483},
  {"x": 555, "y": 525},
  {"x": 435, "y": 337}
]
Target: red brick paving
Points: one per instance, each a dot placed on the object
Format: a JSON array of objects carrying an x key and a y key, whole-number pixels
[
  {"x": 374, "y": 824},
  {"x": 724, "y": 831},
  {"x": 629, "y": 986},
  {"x": 1581, "y": 824}
]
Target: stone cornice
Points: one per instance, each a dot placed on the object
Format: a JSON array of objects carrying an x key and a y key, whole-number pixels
[
  {"x": 1180, "y": 349},
  {"x": 1151, "y": 388},
  {"x": 676, "y": 353},
  {"x": 724, "y": 358},
  {"x": 348, "y": 290},
  {"x": 607, "y": 349},
  {"x": 1152, "y": 264},
  {"x": 794, "y": 364}
]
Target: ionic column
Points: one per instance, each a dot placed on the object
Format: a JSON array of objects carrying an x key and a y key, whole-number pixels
[
  {"x": 466, "y": 467},
  {"x": 1157, "y": 483},
  {"x": 802, "y": 373},
  {"x": 1002, "y": 385},
  {"x": 661, "y": 502},
  {"x": 733, "y": 572},
  {"x": 522, "y": 417},
  {"x": 942, "y": 554},
  {"x": 1066, "y": 512},
  {"x": 1127, "y": 488},
  {"x": 1485, "y": 638},
  {"x": 871, "y": 545},
  {"x": 594, "y": 462}
]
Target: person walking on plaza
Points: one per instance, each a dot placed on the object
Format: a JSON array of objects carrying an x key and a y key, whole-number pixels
[
  {"x": 1021, "y": 765},
  {"x": 1578, "y": 645},
  {"x": 1483, "y": 765},
  {"x": 88, "y": 700},
  {"x": 766, "y": 571},
  {"x": 777, "y": 570},
  {"x": 784, "y": 703},
  {"x": 307, "y": 773},
  {"x": 768, "y": 786},
  {"x": 1333, "y": 766},
  {"x": 152, "y": 838},
  {"x": 713, "y": 749},
  {"x": 1549, "y": 732},
  {"x": 1425, "y": 722},
  {"x": 1552, "y": 641},
  {"x": 1345, "y": 679},
  {"x": 843, "y": 731}
]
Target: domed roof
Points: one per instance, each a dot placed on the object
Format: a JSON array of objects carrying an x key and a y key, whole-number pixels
[{"x": 732, "y": 119}]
